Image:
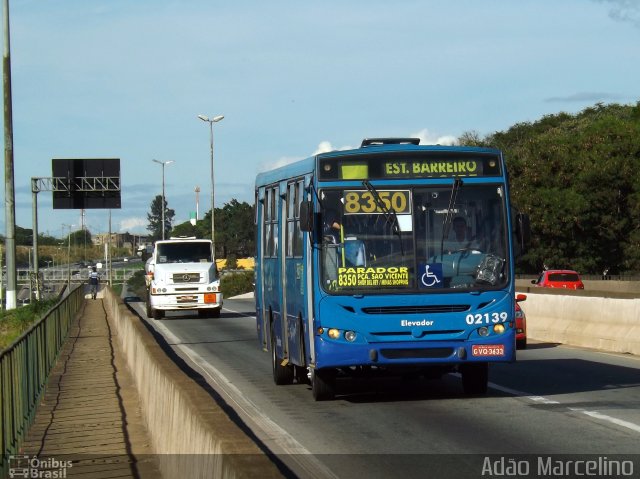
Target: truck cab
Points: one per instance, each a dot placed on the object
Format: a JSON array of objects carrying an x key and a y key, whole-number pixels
[{"x": 182, "y": 275}]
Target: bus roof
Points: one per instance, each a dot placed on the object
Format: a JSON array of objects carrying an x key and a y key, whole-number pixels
[{"x": 370, "y": 146}]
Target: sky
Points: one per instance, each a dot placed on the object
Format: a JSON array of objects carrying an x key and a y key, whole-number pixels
[{"x": 126, "y": 79}]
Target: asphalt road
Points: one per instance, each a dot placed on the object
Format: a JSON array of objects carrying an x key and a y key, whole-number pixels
[{"x": 556, "y": 400}]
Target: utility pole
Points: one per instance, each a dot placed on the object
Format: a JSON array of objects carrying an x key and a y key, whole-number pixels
[{"x": 9, "y": 193}]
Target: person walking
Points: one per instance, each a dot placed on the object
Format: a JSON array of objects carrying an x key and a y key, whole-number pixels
[{"x": 94, "y": 281}]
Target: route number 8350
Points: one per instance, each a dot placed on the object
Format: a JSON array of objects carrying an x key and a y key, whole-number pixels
[
  {"x": 363, "y": 202},
  {"x": 487, "y": 318}
]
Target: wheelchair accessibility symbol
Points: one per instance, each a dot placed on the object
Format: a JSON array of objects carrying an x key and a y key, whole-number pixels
[{"x": 432, "y": 276}]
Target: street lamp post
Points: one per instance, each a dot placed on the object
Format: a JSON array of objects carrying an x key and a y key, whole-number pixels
[
  {"x": 211, "y": 121},
  {"x": 163, "y": 163}
]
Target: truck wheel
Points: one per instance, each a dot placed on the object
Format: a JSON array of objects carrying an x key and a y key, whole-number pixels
[
  {"x": 215, "y": 313},
  {"x": 157, "y": 314},
  {"x": 475, "y": 378},
  {"x": 281, "y": 374},
  {"x": 323, "y": 384}
]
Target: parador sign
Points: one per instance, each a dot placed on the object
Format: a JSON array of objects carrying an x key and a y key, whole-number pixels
[{"x": 373, "y": 277}]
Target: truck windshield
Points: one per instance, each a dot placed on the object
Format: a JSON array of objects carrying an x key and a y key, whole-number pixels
[
  {"x": 188, "y": 252},
  {"x": 442, "y": 244}
]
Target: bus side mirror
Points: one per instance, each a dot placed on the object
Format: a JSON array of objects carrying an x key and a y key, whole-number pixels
[
  {"x": 306, "y": 216},
  {"x": 523, "y": 231}
]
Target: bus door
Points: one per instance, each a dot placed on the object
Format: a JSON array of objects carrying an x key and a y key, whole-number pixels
[
  {"x": 284, "y": 318},
  {"x": 271, "y": 268},
  {"x": 261, "y": 206}
]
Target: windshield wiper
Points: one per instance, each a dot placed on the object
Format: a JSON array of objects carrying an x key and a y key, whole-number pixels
[
  {"x": 448, "y": 219},
  {"x": 390, "y": 215}
]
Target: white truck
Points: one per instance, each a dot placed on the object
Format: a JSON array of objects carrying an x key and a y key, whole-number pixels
[{"x": 182, "y": 275}]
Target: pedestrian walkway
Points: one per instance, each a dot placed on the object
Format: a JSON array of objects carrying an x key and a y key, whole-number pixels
[{"x": 90, "y": 413}]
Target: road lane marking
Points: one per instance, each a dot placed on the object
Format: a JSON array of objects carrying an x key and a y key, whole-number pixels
[
  {"x": 241, "y": 314},
  {"x": 295, "y": 451},
  {"x": 544, "y": 400},
  {"x": 605, "y": 417}
]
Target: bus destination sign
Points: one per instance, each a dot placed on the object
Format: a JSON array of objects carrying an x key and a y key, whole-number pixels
[
  {"x": 404, "y": 166},
  {"x": 430, "y": 168}
]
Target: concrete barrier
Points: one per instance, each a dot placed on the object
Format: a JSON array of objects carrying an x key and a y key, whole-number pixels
[
  {"x": 607, "y": 323},
  {"x": 192, "y": 435}
]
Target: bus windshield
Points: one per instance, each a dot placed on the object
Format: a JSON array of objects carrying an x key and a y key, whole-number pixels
[{"x": 413, "y": 239}]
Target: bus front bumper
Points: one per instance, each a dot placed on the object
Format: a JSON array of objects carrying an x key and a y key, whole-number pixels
[{"x": 331, "y": 353}]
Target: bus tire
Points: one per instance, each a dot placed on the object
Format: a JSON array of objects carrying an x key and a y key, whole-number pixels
[
  {"x": 281, "y": 374},
  {"x": 323, "y": 384},
  {"x": 475, "y": 378},
  {"x": 302, "y": 372}
]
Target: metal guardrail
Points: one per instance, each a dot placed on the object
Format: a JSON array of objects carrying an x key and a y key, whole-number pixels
[
  {"x": 24, "y": 369},
  {"x": 118, "y": 275}
]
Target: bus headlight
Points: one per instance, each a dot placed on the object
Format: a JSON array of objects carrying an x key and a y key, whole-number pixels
[
  {"x": 498, "y": 328},
  {"x": 350, "y": 336},
  {"x": 483, "y": 331},
  {"x": 333, "y": 333}
]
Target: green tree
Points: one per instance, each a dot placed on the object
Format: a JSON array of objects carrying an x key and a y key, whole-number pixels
[
  {"x": 81, "y": 237},
  {"x": 155, "y": 218},
  {"x": 185, "y": 229},
  {"x": 235, "y": 229},
  {"x": 575, "y": 175}
]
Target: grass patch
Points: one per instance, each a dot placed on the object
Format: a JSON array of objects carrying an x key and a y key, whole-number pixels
[
  {"x": 136, "y": 284},
  {"x": 233, "y": 284},
  {"x": 117, "y": 289},
  {"x": 16, "y": 321}
]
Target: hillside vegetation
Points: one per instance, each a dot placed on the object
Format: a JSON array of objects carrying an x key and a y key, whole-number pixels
[{"x": 577, "y": 177}]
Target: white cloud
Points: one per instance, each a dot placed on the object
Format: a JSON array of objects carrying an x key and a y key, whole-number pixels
[
  {"x": 428, "y": 138},
  {"x": 323, "y": 147},
  {"x": 130, "y": 224},
  {"x": 283, "y": 161},
  {"x": 624, "y": 10}
]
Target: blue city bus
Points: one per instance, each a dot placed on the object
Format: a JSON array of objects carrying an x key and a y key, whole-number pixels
[{"x": 394, "y": 257}]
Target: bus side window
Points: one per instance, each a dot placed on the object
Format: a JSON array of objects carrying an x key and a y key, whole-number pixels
[{"x": 306, "y": 216}]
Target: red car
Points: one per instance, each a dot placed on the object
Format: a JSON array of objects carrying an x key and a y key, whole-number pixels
[
  {"x": 521, "y": 323},
  {"x": 559, "y": 278}
]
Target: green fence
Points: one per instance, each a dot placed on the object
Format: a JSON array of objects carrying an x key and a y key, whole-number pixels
[{"x": 24, "y": 369}]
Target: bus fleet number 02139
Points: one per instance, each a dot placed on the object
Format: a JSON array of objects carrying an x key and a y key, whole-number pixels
[{"x": 487, "y": 318}]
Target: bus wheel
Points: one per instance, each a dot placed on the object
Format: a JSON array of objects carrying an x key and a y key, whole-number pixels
[
  {"x": 302, "y": 372},
  {"x": 475, "y": 378},
  {"x": 281, "y": 374},
  {"x": 323, "y": 384}
]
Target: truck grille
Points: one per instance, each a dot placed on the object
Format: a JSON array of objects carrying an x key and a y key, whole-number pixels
[{"x": 186, "y": 278}]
